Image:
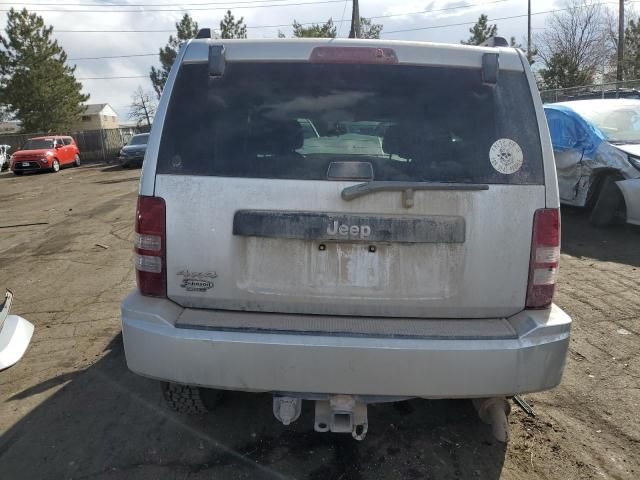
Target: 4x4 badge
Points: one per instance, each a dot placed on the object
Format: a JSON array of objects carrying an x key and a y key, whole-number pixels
[{"x": 197, "y": 281}]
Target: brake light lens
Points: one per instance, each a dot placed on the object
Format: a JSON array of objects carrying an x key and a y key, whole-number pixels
[
  {"x": 371, "y": 55},
  {"x": 545, "y": 256},
  {"x": 150, "y": 247}
]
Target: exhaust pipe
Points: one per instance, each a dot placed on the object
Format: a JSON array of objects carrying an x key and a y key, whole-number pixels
[{"x": 495, "y": 412}]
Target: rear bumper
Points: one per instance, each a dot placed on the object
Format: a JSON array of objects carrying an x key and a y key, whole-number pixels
[{"x": 531, "y": 359}]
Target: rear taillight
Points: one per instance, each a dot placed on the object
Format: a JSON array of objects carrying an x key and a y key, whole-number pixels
[
  {"x": 545, "y": 255},
  {"x": 150, "y": 247}
]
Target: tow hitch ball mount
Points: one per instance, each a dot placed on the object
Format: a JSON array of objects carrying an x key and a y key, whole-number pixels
[
  {"x": 346, "y": 413},
  {"x": 338, "y": 414}
]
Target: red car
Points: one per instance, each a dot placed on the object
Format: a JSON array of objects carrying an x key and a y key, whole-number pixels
[{"x": 49, "y": 153}]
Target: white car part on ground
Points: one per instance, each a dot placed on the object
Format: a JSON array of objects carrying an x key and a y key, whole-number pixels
[{"x": 15, "y": 334}]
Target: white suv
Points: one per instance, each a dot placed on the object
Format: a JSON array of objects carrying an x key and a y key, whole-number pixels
[{"x": 347, "y": 222}]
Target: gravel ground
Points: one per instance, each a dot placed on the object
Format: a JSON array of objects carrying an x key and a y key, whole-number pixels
[{"x": 71, "y": 409}]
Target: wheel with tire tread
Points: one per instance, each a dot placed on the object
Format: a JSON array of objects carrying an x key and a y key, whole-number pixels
[
  {"x": 76, "y": 160},
  {"x": 188, "y": 399},
  {"x": 55, "y": 166},
  {"x": 607, "y": 204}
]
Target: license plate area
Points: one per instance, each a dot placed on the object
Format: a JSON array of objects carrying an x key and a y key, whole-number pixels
[
  {"x": 354, "y": 265},
  {"x": 290, "y": 268},
  {"x": 26, "y": 164}
]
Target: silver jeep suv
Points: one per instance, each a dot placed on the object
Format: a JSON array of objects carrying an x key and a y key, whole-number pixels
[{"x": 347, "y": 222}]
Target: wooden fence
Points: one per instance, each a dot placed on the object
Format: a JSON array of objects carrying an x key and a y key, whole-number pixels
[{"x": 94, "y": 145}]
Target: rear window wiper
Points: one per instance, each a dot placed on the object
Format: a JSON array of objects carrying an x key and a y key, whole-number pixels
[{"x": 355, "y": 191}]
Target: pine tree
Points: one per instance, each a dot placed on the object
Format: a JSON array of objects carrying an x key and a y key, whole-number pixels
[
  {"x": 369, "y": 29},
  {"x": 329, "y": 29},
  {"x": 316, "y": 30},
  {"x": 481, "y": 31},
  {"x": 230, "y": 28},
  {"x": 631, "y": 63},
  {"x": 36, "y": 86},
  {"x": 562, "y": 71},
  {"x": 186, "y": 29}
]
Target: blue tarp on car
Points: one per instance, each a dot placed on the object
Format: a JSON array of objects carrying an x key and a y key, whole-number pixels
[
  {"x": 580, "y": 149},
  {"x": 570, "y": 131}
]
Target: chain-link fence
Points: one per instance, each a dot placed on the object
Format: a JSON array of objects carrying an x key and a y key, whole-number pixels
[
  {"x": 94, "y": 145},
  {"x": 626, "y": 89}
]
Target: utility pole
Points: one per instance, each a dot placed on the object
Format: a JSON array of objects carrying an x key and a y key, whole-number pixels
[
  {"x": 355, "y": 21},
  {"x": 620, "y": 41},
  {"x": 529, "y": 32}
]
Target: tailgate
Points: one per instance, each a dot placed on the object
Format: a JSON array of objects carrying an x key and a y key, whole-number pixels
[{"x": 468, "y": 258}]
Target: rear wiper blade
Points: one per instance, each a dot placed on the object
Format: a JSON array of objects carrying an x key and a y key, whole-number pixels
[{"x": 355, "y": 191}]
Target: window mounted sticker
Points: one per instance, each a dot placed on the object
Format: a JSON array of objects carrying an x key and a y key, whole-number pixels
[{"x": 505, "y": 156}]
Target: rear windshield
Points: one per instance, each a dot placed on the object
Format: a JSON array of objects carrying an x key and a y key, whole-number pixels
[
  {"x": 37, "y": 144},
  {"x": 410, "y": 123}
]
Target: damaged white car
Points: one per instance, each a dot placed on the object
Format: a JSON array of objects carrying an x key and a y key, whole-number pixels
[
  {"x": 15, "y": 334},
  {"x": 597, "y": 152}
]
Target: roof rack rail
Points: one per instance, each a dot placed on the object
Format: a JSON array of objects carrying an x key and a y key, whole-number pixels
[
  {"x": 495, "y": 42},
  {"x": 204, "y": 33}
]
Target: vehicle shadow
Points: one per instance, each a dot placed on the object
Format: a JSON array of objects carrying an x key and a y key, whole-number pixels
[
  {"x": 107, "y": 422},
  {"x": 120, "y": 180},
  {"x": 112, "y": 168},
  {"x": 617, "y": 243}
]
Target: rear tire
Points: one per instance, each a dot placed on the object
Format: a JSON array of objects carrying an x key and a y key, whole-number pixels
[
  {"x": 76, "y": 160},
  {"x": 190, "y": 400},
  {"x": 607, "y": 204}
]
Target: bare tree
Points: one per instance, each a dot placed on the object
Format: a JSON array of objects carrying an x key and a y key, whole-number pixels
[
  {"x": 143, "y": 106},
  {"x": 575, "y": 45}
]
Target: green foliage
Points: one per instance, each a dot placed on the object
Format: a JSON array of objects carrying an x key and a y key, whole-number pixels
[
  {"x": 36, "y": 85},
  {"x": 369, "y": 29},
  {"x": 481, "y": 31},
  {"x": 316, "y": 30},
  {"x": 230, "y": 28},
  {"x": 186, "y": 28},
  {"x": 631, "y": 65},
  {"x": 562, "y": 71}
]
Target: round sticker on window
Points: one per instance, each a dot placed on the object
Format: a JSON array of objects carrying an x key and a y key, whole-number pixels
[{"x": 506, "y": 156}]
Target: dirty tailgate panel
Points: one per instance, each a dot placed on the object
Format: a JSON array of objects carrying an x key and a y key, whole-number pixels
[{"x": 479, "y": 274}]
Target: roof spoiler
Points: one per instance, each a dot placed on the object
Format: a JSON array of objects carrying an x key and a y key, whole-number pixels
[
  {"x": 217, "y": 61},
  {"x": 204, "y": 33},
  {"x": 495, "y": 42}
]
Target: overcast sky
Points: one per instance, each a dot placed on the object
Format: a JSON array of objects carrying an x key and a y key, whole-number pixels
[{"x": 259, "y": 15}]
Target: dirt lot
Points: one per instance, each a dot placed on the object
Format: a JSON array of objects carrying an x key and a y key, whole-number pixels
[{"x": 71, "y": 409}]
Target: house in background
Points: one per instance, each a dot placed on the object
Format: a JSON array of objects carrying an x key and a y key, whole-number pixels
[
  {"x": 96, "y": 116},
  {"x": 12, "y": 126}
]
